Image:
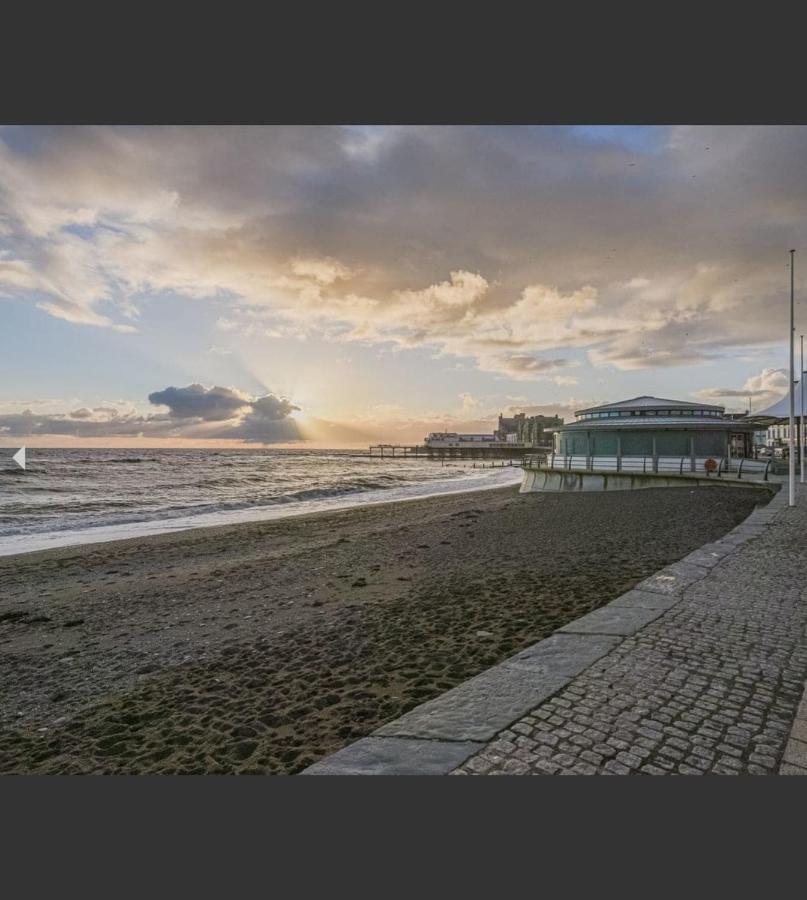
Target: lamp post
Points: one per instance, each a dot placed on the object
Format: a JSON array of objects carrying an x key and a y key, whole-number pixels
[
  {"x": 801, "y": 432},
  {"x": 791, "y": 339}
]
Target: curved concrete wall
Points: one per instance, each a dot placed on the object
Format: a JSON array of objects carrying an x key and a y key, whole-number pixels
[{"x": 539, "y": 479}]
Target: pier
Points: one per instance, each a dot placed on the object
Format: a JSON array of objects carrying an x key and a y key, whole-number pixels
[{"x": 423, "y": 451}]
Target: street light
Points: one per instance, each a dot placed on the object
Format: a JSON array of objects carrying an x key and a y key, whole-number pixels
[
  {"x": 791, "y": 338},
  {"x": 801, "y": 431}
]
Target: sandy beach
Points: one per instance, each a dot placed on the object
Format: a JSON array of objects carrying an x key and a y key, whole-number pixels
[{"x": 258, "y": 648}]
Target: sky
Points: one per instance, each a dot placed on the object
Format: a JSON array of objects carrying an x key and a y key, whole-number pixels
[{"x": 193, "y": 286}]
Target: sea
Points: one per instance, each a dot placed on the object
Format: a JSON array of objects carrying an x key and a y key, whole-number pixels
[{"x": 74, "y": 496}]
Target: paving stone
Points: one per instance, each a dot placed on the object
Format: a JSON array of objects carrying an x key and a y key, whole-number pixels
[
  {"x": 616, "y": 768},
  {"x": 564, "y": 655},
  {"x": 796, "y": 752},
  {"x": 564, "y": 760},
  {"x": 394, "y": 756},
  {"x": 591, "y": 757},
  {"x": 800, "y": 730},
  {"x": 613, "y": 620},
  {"x": 646, "y": 600},
  {"x": 728, "y": 750},
  {"x": 666, "y": 582},
  {"x": 476, "y": 709},
  {"x": 632, "y": 760}
]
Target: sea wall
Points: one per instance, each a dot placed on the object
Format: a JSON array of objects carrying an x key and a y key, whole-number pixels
[{"x": 544, "y": 479}]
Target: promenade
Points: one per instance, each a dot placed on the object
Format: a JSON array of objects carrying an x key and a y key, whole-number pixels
[
  {"x": 698, "y": 670},
  {"x": 714, "y": 685}
]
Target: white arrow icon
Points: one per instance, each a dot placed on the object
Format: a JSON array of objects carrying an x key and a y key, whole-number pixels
[{"x": 19, "y": 457}]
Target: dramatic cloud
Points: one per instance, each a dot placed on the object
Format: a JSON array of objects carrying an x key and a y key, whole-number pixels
[
  {"x": 508, "y": 246},
  {"x": 194, "y": 412},
  {"x": 196, "y": 401}
]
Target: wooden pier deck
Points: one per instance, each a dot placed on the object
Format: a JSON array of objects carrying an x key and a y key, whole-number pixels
[{"x": 402, "y": 451}]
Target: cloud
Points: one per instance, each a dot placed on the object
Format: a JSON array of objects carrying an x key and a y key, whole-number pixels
[
  {"x": 325, "y": 271},
  {"x": 196, "y": 401},
  {"x": 564, "y": 408},
  {"x": 194, "y": 412},
  {"x": 265, "y": 419},
  {"x": 766, "y": 388},
  {"x": 268, "y": 420},
  {"x": 496, "y": 245}
]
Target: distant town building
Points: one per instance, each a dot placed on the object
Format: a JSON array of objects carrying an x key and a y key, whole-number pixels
[
  {"x": 650, "y": 426},
  {"x": 777, "y": 420},
  {"x": 521, "y": 431},
  {"x": 532, "y": 431},
  {"x": 437, "y": 439}
]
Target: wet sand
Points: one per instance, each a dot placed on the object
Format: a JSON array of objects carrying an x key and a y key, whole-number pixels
[{"x": 258, "y": 648}]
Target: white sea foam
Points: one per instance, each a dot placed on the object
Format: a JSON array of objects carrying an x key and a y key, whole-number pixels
[{"x": 169, "y": 520}]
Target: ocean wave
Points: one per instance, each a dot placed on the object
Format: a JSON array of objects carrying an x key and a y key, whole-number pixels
[
  {"x": 87, "y": 533},
  {"x": 77, "y": 491}
]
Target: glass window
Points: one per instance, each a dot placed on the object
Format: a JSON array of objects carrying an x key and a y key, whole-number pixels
[
  {"x": 709, "y": 443},
  {"x": 672, "y": 443},
  {"x": 578, "y": 445},
  {"x": 603, "y": 443},
  {"x": 637, "y": 444}
]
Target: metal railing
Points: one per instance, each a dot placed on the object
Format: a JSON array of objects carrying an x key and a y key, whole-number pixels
[
  {"x": 671, "y": 465},
  {"x": 744, "y": 466}
]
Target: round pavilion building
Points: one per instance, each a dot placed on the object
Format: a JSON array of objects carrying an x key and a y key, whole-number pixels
[{"x": 653, "y": 427}]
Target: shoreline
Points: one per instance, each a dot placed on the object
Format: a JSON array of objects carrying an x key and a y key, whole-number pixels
[
  {"x": 37, "y": 542},
  {"x": 263, "y": 647}
]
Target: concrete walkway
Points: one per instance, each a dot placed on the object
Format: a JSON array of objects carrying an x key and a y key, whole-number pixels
[{"x": 700, "y": 669}]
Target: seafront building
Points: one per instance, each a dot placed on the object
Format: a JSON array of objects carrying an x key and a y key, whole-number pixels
[
  {"x": 647, "y": 442},
  {"x": 530, "y": 431},
  {"x": 777, "y": 419},
  {"x": 521, "y": 431},
  {"x": 653, "y": 427},
  {"x": 437, "y": 440}
]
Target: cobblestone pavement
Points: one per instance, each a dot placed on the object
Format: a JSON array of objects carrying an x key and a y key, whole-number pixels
[
  {"x": 710, "y": 687},
  {"x": 795, "y": 758}
]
